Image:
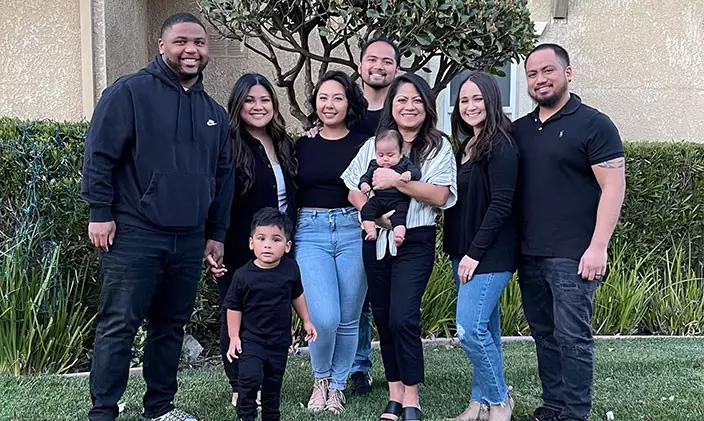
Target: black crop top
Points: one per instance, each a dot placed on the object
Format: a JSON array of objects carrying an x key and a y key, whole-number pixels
[{"x": 320, "y": 165}]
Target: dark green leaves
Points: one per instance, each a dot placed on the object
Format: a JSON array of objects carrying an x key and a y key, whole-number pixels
[{"x": 476, "y": 34}]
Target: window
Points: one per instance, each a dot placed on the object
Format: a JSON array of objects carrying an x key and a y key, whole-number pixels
[{"x": 508, "y": 93}]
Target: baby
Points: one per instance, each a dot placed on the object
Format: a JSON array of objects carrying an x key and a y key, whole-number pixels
[{"x": 389, "y": 145}]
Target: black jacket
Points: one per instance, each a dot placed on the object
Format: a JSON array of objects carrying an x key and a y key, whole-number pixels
[
  {"x": 158, "y": 156},
  {"x": 261, "y": 194},
  {"x": 482, "y": 224}
]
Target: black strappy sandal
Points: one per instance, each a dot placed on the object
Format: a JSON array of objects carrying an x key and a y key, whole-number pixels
[
  {"x": 411, "y": 413},
  {"x": 394, "y": 408}
]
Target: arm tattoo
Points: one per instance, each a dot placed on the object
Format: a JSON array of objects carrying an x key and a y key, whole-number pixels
[{"x": 613, "y": 163}]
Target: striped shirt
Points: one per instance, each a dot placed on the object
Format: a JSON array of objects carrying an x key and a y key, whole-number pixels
[{"x": 439, "y": 169}]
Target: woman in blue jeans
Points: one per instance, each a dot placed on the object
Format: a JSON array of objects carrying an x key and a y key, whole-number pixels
[
  {"x": 328, "y": 239},
  {"x": 481, "y": 238}
]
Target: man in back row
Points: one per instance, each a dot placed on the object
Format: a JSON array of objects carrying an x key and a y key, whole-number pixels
[
  {"x": 572, "y": 185},
  {"x": 158, "y": 180},
  {"x": 378, "y": 67}
]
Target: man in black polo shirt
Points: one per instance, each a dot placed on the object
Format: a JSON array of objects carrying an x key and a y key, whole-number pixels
[{"x": 571, "y": 187}]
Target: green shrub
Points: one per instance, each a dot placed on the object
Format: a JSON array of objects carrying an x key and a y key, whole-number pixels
[
  {"x": 40, "y": 174},
  {"x": 654, "y": 287},
  {"x": 513, "y": 321},
  {"x": 48, "y": 267},
  {"x": 43, "y": 324},
  {"x": 678, "y": 308},
  {"x": 622, "y": 302},
  {"x": 664, "y": 197},
  {"x": 439, "y": 303}
]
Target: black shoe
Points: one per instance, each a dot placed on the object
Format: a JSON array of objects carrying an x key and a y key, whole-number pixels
[
  {"x": 543, "y": 414},
  {"x": 410, "y": 413},
  {"x": 361, "y": 384},
  {"x": 393, "y": 408}
]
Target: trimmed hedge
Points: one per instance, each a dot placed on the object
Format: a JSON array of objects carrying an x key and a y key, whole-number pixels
[
  {"x": 40, "y": 171},
  {"x": 40, "y": 175},
  {"x": 664, "y": 198}
]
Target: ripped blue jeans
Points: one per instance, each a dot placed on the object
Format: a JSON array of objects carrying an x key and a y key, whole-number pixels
[{"x": 479, "y": 332}]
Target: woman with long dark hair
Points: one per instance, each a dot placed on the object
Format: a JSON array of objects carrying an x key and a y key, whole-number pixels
[
  {"x": 328, "y": 242},
  {"x": 265, "y": 167},
  {"x": 398, "y": 276},
  {"x": 481, "y": 238}
]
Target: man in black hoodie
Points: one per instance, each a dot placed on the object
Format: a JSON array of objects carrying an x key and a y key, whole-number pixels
[{"x": 159, "y": 181}]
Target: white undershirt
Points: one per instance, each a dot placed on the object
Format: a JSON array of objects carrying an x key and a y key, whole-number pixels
[{"x": 280, "y": 187}]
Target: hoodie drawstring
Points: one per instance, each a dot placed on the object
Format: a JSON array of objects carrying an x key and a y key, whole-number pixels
[{"x": 162, "y": 71}]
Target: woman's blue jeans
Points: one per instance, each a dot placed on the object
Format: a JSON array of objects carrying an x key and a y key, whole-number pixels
[
  {"x": 479, "y": 332},
  {"x": 329, "y": 254}
]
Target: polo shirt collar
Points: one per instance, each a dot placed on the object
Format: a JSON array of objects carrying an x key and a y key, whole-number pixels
[{"x": 570, "y": 108}]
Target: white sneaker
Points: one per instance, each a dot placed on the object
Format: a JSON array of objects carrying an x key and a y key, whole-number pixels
[
  {"x": 336, "y": 401},
  {"x": 174, "y": 415}
]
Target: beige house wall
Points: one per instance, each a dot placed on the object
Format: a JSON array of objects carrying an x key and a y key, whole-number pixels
[
  {"x": 126, "y": 35},
  {"x": 639, "y": 61},
  {"x": 41, "y": 74}
]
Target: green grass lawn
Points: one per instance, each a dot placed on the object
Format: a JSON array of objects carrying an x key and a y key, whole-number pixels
[{"x": 654, "y": 380}]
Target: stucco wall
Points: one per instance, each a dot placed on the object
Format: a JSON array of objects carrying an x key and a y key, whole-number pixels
[
  {"x": 41, "y": 74},
  {"x": 639, "y": 61},
  {"x": 100, "y": 79},
  {"x": 126, "y": 34}
]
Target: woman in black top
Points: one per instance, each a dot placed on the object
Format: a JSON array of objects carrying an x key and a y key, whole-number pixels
[
  {"x": 481, "y": 238},
  {"x": 265, "y": 167},
  {"x": 328, "y": 240}
]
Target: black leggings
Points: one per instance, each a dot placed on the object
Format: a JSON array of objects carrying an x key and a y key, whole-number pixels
[{"x": 396, "y": 287}]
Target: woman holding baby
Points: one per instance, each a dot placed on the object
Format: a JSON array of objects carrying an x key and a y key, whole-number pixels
[{"x": 397, "y": 276}]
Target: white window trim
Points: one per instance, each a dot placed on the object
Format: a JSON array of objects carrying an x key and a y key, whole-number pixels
[{"x": 510, "y": 110}]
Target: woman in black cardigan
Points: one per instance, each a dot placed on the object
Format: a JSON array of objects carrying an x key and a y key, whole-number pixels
[
  {"x": 481, "y": 238},
  {"x": 266, "y": 167}
]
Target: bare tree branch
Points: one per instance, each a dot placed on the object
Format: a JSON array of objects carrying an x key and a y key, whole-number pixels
[
  {"x": 348, "y": 49},
  {"x": 326, "y": 51},
  {"x": 442, "y": 68},
  {"x": 419, "y": 62},
  {"x": 308, "y": 54},
  {"x": 449, "y": 73},
  {"x": 462, "y": 34},
  {"x": 308, "y": 69},
  {"x": 295, "y": 70},
  {"x": 294, "y": 108}
]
